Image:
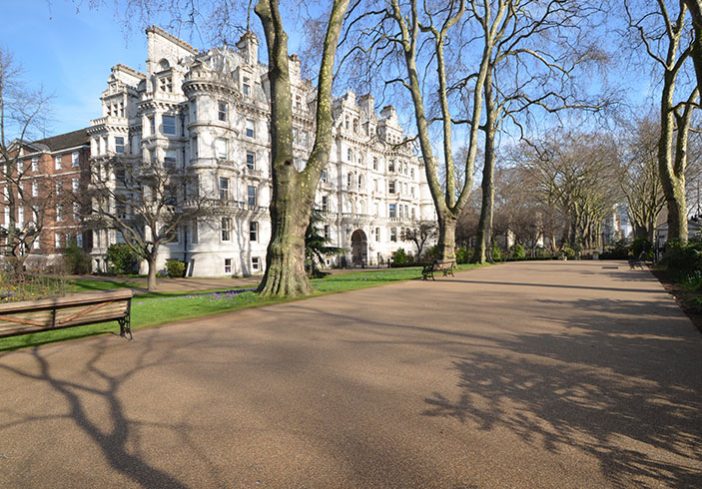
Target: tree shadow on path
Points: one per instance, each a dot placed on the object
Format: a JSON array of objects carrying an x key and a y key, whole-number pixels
[{"x": 622, "y": 386}]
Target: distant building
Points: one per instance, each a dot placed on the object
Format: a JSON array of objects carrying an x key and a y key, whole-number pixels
[{"x": 50, "y": 171}]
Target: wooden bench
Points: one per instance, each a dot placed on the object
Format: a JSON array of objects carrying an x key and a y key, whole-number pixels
[
  {"x": 65, "y": 312},
  {"x": 445, "y": 266}
]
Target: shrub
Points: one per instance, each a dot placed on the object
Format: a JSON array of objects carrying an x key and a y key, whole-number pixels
[
  {"x": 518, "y": 252},
  {"x": 431, "y": 254},
  {"x": 642, "y": 245},
  {"x": 568, "y": 252},
  {"x": 400, "y": 258},
  {"x": 680, "y": 257},
  {"x": 76, "y": 260},
  {"x": 620, "y": 251},
  {"x": 497, "y": 253},
  {"x": 692, "y": 281},
  {"x": 175, "y": 268},
  {"x": 463, "y": 255},
  {"x": 122, "y": 259}
]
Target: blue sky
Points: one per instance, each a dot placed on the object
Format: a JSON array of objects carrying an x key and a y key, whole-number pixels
[{"x": 69, "y": 53}]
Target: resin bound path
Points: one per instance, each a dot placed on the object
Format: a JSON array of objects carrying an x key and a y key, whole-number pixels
[{"x": 525, "y": 375}]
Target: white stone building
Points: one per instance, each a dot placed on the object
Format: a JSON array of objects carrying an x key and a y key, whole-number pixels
[{"x": 209, "y": 112}]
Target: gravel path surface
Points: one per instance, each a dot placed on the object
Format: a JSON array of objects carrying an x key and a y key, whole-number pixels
[{"x": 523, "y": 375}]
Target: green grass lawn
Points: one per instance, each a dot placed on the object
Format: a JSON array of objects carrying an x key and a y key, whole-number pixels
[{"x": 158, "y": 308}]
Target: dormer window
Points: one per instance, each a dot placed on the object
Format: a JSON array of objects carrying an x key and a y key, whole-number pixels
[{"x": 222, "y": 111}]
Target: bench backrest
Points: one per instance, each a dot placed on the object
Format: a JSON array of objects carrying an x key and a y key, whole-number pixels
[{"x": 62, "y": 312}]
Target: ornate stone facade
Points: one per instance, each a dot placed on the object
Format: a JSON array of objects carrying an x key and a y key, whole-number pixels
[{"x": 209, "y": 112}]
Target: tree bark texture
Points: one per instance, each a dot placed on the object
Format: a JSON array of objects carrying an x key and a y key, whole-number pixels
[{"x": 293, "y": 190}]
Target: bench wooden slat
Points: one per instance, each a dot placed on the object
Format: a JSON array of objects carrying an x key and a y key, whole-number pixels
[{"x": 62, "y": 312}]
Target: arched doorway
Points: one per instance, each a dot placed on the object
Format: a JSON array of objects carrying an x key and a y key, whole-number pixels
[{"x": 359, "y": 248}]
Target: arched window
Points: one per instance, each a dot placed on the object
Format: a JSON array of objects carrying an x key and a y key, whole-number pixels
[{"x": 164, "y": 64}]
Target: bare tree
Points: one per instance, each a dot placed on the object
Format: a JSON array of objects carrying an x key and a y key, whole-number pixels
[
  {"x": 420, "y": 235},
  {"x": 537, "y": 49},
  {"x": 578, "y": 173},
  {"x": 23, "y": 113},
  {"x": 640, "y": 179},
  {"x": 661, "y": 29},
  {"x": 146, "y": 203}
]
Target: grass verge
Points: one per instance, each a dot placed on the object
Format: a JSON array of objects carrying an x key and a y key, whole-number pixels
[{"x": 154, "y": 309}]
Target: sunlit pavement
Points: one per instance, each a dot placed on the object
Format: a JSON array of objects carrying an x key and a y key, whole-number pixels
[{"x": 542, "y": 374}]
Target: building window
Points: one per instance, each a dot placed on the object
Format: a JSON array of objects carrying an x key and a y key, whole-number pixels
[
  {"x": 298, "y": 102},
  {"x": 74, "y": 159},
  {"x": 375, "y": 164},
  {"x": 250, "y": 128},
  {"x": 57, "y": 240},
  {"x": 349, "y": 180},
  {"x": 349, "y": 155},
  {"x": 76, "y": 211},
  {"x": 393, "y": 210},
  {"x": 377, "y": 234},
  {"x": 20, "y": 216},
  {"x": 391, "y": 166},
  {"x": 223, "y": 188},
  {"x": 255, "y": 264},
  {"x": 169, "y": 125},
  {"x": 222, "y": 111},
  {"x": 59, "y": 213},
  {"x": 152, "y": 125},
  {"x": 246, "y": 86},
  {"x": 251, "y": 196},
  {"x": 253, "y": 231},
  {"x": 393, "y": 234},
  {"x": 193, "y": 146},
  {"x": 75, "y": 184},
  {"x": 57, "y": 162},
  {"x": 37, "y": 243},
  {"x": 228, "y": 266},
  {"x": 324, "y": 176},
  {"x": 35, "y": 163},
  {"x": 391, "y": 186},
  {"x": 221, "y": 148},
  {"x": 226, "y": 228},
  {"x": 166, "y": 84},
  {"x": 119, "y": 145},
  {"x": 250, "y": 160},
  {"x": 170, "y": 160},
  {"x": 325, "y": 203},
  {"x": 412, "y": 172},
  {"x": 35, "y": 189},
  {"x": 327, "y": 232}
]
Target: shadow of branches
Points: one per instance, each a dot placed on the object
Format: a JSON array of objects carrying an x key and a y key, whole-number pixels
[{"x": 623, "y": 385}]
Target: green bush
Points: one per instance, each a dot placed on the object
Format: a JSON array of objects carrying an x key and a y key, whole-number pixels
[
  {"x": 175, "y": 268},
  {"x": 497, "y": 253},
  {"x": 518, "y": 252},
  {"x": 568, "y": 252},
  {"x": 122, "y": 259},
  {"x": 620, "y": 251},
  {"x": 76, "y": 260},
  {"x": 642, "y": 245},
  {"x": 463, "y": 255},
  {"x": 680, "y": 257},
  {"x": 400, "y": 258},
  {"x": 431, "y": 254},
  {"x": 692, "y": 281}
]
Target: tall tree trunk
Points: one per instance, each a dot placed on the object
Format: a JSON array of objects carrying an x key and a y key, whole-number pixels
[
  {"x": 695, "y": 7},
  {"x": 293, "y": 191},
  {"x": 677, "y": 212},
  {"x": 151, "y": 283},
  {"x": 447, "y": 238},
  {"x": 488, "y": 186}
]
